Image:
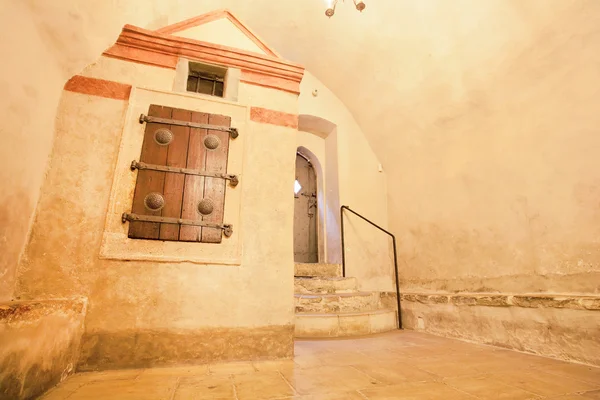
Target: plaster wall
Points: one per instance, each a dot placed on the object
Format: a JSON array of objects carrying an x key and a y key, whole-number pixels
[
  {"x": 221, "y": 32},
  {"x": 139, "y": 75},
  {"x": 361, "y": 187},
  {"x": 502, "y": 193},
  {"x": 179, "y": 303},
  {"x": 494, "y": 182},
  {"x": 63, "y": 37}
]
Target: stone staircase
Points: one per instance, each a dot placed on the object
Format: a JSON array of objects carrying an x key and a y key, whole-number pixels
[{"x": 328, "y": 305}]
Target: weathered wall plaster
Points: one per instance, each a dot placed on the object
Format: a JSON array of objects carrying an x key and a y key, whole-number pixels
[
  {"x": 176, "y": 301},
  {"x": 566, "y": 327},
  {"x": 161, "y": 303},
  {"x": 64, "y": 37},
  {"x": 40, "y": 345},
  {"x": 497, "y": 187},
  {"x": 220, "y": 32},
  {"x": 361, "y": 186}
]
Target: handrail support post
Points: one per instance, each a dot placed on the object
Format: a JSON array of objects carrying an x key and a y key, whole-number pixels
[{"x": 396, "y": 275}]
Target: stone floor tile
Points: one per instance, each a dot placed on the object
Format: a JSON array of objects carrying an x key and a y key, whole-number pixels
[
  {"x": 193, "y": 370},
  {"x": 330, "y": 396},
  {"x": 574, "y": 371},
  {"x": 395, "y": 365},
  {"x": 152, "y": 388},
  {"x": 326, "y": 379},
  {"x": 109, "y": 375},
  {"x": 594, "y": 395},
  {"x": 349, "y": 357},
  {"x": 416, "y": 391},
  {"x": 392, "y": 373},
  {"x": 487, "y": 387},
  {"x": 63, "y": 390},
  {"x": 308, "y": 361},
  {"x": 264, "y": 366},
  {"x": 446, "y": 368},
  {"x": 544, "y": 384},
  {"x": 205, "y": 388},
  {"x": 231, "y": 368},
  {"x": 261, "y": 385}
]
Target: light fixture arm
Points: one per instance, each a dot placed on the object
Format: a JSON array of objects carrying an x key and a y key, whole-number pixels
[{"x": 359, "y": 4}]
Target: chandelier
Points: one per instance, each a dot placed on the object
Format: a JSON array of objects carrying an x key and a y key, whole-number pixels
[{"x": 359, "y": 4}]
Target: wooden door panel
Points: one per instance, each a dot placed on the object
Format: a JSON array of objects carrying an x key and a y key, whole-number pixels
[
  {"x": 149, "y": 181},
  {"x": 214, "y": 188},
  {"x": 194, "y": 185},
  {"x": 176, "y": 157},
  {"x": 182, "y": 195}
]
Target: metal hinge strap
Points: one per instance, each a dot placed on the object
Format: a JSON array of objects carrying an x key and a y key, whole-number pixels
[
  {"x": 233, "y": 179},
  {"x": 233, "y": 132},
  {"x": 227, "y": 228}
]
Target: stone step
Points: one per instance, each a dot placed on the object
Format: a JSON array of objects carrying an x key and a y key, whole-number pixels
[
  {"x": 318, "y": 325},
  {"x": 337, "y": 302},
  {"x": 317, "y": 285},
  {"x": 318, "y": 269}
]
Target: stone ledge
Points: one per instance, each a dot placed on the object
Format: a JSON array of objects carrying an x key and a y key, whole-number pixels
[
  {"x": 16, "y": 311},
  {"x": 40, "y": 344},
  {"x": 102, "y": 350},
  {"x": 574, "y": 302}
]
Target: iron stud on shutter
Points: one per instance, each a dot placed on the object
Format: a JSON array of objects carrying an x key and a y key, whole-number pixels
[
  {"x": 211, "y": 142},
  {"x": 206, "y": 206},
  {"x": 163, "y": 137},
  {"x": 154, "y": 201}
]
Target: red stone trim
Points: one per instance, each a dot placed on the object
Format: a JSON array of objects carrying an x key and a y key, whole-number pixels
[
  {"x": 141, "y": 56},
  {"x": 98, "y": 87},
  {"x": 213, "y": 16},
  {"x": 153, "y": 48},
  {"x": 266, "y": 116}
]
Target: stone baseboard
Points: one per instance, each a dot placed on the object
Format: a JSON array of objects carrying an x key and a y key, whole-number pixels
[
  {"x": 39, "y": 345},
  {"x": 153, "y": 348},
  {"x": 561, "y": 326}
]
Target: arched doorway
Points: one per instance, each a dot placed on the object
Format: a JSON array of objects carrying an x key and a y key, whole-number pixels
[{"x": 306, "y": 241}]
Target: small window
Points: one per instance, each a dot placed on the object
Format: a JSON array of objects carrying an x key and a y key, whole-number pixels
[{"x": 206, "y": 79}]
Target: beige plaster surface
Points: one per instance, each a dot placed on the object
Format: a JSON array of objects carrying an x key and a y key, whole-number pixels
[
  {"x": 150, "y": 299},
  {"x": 264, "y": 97},
  {"x": 395, "y": 365},
  {"x": 139, "y": 75},
  {"x": 503, "y": 185},
  {"x": 63, "y": 36},
  {"x": 223, "y": 32},
  {"x": 361, "y": 186}
]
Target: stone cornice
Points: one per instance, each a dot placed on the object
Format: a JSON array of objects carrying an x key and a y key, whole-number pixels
[{"x": 162, "y": 50}]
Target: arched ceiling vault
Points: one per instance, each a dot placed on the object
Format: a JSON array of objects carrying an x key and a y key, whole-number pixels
[{"x": 386, "y": 64}]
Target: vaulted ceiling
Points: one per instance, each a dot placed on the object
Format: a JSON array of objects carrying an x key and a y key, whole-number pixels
[{"x": 386, "y": 64}]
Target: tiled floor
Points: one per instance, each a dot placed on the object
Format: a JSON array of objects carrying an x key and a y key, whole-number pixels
[{"x": 396, "y": 365}]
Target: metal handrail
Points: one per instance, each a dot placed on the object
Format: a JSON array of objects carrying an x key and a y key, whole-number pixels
[{"x": 395, "y": 254}]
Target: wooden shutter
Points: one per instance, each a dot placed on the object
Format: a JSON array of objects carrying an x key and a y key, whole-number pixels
[{"x": 180, "y": 195}]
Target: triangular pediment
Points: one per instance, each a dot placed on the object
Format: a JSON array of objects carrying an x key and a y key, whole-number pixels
[{"x": 219, "y": 27}]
